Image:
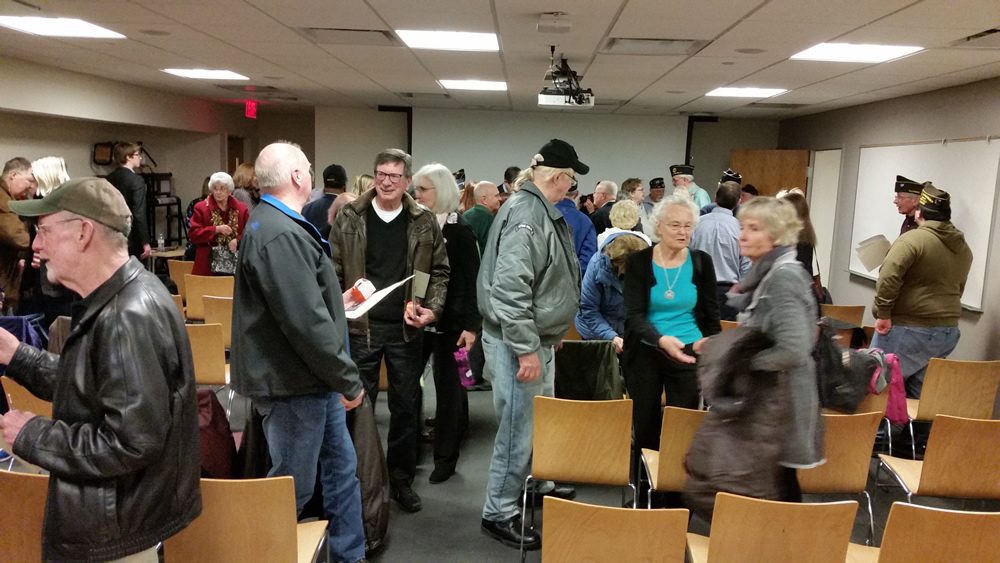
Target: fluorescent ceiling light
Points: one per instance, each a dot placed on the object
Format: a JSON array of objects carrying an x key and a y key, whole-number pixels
[
  {"x": 491, "y": 85},
  {"x": 746, "y": 92},
  {"x": 58, "y": 27},
  {"x": 855, "y": 53},
  {"x": 205, "y": 74},
  {"x": 449, "y": 40}
]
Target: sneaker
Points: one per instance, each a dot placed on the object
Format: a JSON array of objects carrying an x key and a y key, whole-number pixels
[{"x": 406, "y": 497}]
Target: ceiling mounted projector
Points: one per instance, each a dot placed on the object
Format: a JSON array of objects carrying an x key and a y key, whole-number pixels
[{"x": 564, "y": 89}]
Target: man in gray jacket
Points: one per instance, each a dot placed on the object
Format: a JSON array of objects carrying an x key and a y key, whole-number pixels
[
  {"x": 528, "y": 291},
  {"x": 290, "y": 354}
]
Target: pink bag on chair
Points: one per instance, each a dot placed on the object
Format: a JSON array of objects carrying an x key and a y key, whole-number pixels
[
  {"x": 464, "y": 369},
  {"x": 895, "y": 408}
]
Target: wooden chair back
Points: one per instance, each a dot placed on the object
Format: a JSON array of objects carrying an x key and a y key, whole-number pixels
[
  {"x": 24, "y": 496},
  {"x": 582, "y": 441},
  {"x": 874, "y": 403},
  {"x": 177, "y": 269},
  {"x": 208, "y": 353},
  {"x": 572, "y": 333},
  {"x": 920, "y": 533},
  {"x": 962, "y": 459},
  {"x": 197, "y": 287},
  {"x": 21, "y": 399},
  {"x": 179, "y": 301},
  {"x": 869, "y": 334},
  {"x": 219, "y": 310},
  {"x": 676, "y": 434},
  {"x": 847, "y": 447},
  {"x": 728, "y": 325},
  {"x": 959, "y": 388},
  {"x": 853, "y": 314},
  {"x": 575, "y": 531},
  {"x": 749, "y": 529},
  {"x": 241, "y": 520}
]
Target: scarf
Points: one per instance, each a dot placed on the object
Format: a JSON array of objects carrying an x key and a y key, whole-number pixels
[{"x": 740, "y": 295}]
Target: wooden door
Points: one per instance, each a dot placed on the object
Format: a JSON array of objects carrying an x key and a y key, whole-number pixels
[{"x": 772, "y": 170}]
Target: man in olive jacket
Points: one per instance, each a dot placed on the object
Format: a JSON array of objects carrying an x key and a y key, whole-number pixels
[
  {"x": 384, "y": 236},
  {"x": 289, "y": 347},
  {"x": 122, "y": 446}
]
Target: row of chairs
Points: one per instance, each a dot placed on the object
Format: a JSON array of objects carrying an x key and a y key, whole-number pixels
[
  {"x": 241, "y": 520},
  {"x": 750, "y": 530},
  {"x": 589, "y": 442}
]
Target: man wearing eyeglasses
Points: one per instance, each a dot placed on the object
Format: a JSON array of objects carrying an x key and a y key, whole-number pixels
[
  {"x": 128, "y": 156},
  {"x": 385, "y": 237},
  {"x": 121, "y": 446},
  {"x": 907, "y": 202},
  {"x": 17, "y": 182}
]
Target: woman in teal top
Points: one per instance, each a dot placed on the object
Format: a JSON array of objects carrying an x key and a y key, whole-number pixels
[{"x": 670, "y": 309}]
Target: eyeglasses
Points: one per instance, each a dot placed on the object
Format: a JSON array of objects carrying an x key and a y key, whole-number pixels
[
  {"x": 420, "y": 188},
  {"x": 379, "y": 176},
  {"x": 678, "y": 227},
  {"x": 572, "y": 179},
  {"x": 44, "y": 230},
  {"x": 904, "y": 197}
]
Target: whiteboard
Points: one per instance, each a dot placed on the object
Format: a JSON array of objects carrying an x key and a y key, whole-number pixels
[
  {"x": 965, "y": 169},
  {"x": 824, "y": 188}
]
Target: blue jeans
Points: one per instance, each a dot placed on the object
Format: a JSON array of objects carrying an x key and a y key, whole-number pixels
[
  {"x": 513, "y": 401},
  {"x": 915, "y": 346},
  {"x": 306, "y": 429}
]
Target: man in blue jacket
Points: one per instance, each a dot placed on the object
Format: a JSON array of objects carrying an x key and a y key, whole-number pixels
[
  {"x": 290, "y": 355},
  {"x": 584, "y": 235}
]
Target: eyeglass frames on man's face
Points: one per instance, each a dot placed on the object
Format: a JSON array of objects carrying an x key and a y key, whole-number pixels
[
  {"x": 572, "y": 179},
  {"x": 44, "y": 230},
  {"x": 380, "y": 176}
]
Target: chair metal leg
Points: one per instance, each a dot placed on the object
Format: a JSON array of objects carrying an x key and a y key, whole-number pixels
[
  {"x": 888, "y": 432},
  {"x": 871, "y": 520},
  {"x": 524, "y": 509},
  {"x": 635, "y": 495},
  {"x": 913, "y": 440},
  {"x": 229, "y": 407}
]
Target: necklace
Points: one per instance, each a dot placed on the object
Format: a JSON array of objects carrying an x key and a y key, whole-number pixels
[{"x": 669, "y": 293}]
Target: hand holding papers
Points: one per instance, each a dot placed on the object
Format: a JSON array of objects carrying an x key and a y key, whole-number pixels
[
  {"x": 353, "y": 309},
  {"x": 872, "y": 251}
]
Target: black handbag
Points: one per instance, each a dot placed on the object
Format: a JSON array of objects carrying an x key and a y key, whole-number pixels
[{"x": 223, "y": 260}]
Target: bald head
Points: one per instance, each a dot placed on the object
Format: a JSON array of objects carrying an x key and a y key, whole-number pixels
[
  {"x": 488, "y": 195},
  {"x": 283, "y": 171}
]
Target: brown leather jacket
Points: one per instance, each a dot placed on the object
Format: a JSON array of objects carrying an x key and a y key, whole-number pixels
[
  {"x": 122, "y": 445},
  {"x": 425, "y": 252}
]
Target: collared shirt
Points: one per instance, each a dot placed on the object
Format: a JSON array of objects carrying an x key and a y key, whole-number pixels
[{"x": 718, "y": 234}]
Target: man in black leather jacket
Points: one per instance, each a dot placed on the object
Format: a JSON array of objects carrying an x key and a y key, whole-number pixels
[{"x": 122, "y": 445}]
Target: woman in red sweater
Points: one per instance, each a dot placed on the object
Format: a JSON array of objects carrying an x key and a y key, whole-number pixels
[{"x": 218, "y": 220}]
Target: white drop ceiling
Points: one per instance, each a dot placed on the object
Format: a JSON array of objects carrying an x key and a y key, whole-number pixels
[{"x": 264, "y": 39}]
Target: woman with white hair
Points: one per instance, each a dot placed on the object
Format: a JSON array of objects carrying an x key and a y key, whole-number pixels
[
  {"x": 50, "y": 173},
  {"x": 435, "y": 189},
  {"x": 670, "y": 310},
  {"x": 217, "y": 223}
]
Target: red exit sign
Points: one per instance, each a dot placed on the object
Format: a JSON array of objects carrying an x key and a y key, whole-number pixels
[{"x": 250, "y": 109}]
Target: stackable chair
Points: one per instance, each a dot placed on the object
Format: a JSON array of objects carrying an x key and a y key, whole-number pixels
[
  {"x": 753, "y": 530},
  {"x": 727, "y": 325},
  {"x": 961, "y": 388},
  {"x": 575, "y": 531},
  {"x": 220, "y": 310},
  {"x": 920, "y": 533},
  {"x": 847, "y": 447},
  {"x": 247, "y": 520},
  {"x": 21, "y": 519},
  {"x": 579, "y": 442},
  {"x": 962, "y": 461},
  {"x": 209, "y": 355},
  {"x": 176, "y": 270},
  {"x": 664, "y": 468},
  {"x": 196, "y": 287}
]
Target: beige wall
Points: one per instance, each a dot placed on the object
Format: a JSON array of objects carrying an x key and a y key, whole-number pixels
[
  {"x": 712, "y": 143},
  {"x": 352, "y": 137},
  {"x": 972, "y": 110}
]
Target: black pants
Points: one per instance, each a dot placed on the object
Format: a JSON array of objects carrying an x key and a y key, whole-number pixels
[
  {"x": 402, "y": 360},
  {"x": 452, "y": 411},
  {"x": 651, "y": 374},
  {"x": 477, "y": 359}
]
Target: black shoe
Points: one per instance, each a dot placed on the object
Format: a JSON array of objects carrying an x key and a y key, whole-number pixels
[
  {"x": 508, "y": 532},
  {"x": 564, "y": 492},
  {"x": 407, "y": 499},
  {"x": 430, "y": 421},
  {"x": 441, "y": 474},
  {"x": 484, "y": 386}
]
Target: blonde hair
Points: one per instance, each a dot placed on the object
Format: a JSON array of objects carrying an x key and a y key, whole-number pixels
[
  {"x": 624, "y": 214},
  {"x": 362, "y": 183},
  {"x": 619, "y": 249},
  {"x": 50, "y": 173},
  {"x": 535, "y": 174},
  {"x": 778, "y": 217}
]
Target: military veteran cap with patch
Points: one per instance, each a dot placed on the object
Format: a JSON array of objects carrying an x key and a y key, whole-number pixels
[
  {"x": 934, "y": 199},
  {"x": 731, "y": 175},
  {"x": 678, "y": 169},
  {"x": 93, "y": 198},
  {"x": 657, "y": 184},
  {"x": 908, "y": 186}
]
